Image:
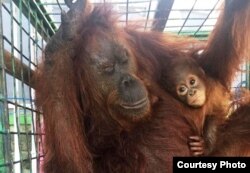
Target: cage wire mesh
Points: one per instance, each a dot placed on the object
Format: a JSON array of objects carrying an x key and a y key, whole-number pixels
[
  {"x": 23, "y": 36},
  {"x": 26, "y": 25},
  {"x": 189, "y": 17}
]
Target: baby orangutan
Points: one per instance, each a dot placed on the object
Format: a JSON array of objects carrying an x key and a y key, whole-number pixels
[{"x": 188, "y": 83}]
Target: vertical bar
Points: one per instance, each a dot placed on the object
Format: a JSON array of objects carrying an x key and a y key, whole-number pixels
[
  {"x": 149, "y": 9},
  {"x": 5, "y": 145},
  {"x": 127, "y": 12},
  {"x": 161, "y": 15},
  {"x": 206, "y": 18},
  {"x": 23, "y": 153},
  {"x": 13, "y": 68},
  {"x": 247, "y": 75},
  {"x": 30, "y": 99},
  {"x": 34, "y": 117},
  {"x": 33, "y": 147},
  {"x": 16, "y": 129},
  {"x": 187, "y": 17}
]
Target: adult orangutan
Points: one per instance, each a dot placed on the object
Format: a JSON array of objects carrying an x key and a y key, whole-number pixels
[{"x": 100, "y": 92}]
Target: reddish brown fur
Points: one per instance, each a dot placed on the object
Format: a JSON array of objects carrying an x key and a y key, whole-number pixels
[
  {"x": 228, "y": 43},
  {"x": 220, "y": 59},
  {"x": 82, "y": 137},
  {"x": 234, "y": 135}
]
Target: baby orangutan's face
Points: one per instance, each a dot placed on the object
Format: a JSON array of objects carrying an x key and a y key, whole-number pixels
[{"x": 191, "y": 90}]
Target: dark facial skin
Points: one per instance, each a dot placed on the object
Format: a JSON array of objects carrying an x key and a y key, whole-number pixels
[{"x": 114, "y": 72}]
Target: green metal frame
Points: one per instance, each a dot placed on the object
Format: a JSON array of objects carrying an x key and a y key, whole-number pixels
[
  {"x": 21, "y": 135},
  {"x": 37, "y": 16}
]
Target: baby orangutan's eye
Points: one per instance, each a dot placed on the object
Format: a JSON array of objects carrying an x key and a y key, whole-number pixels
[
  {"x": 182, "y": 90},
  {"x": 192, "y": 81}
]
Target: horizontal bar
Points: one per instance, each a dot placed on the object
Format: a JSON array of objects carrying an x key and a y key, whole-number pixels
[
  {"x": 19, "y": 68},
  {"x": 22, "y": 133},
  {"x": 134, "y": 2},
  {"x": 18, "y": 51},
  {"x": 24, "y": 107},
  {"x": 15, "y": 162}
]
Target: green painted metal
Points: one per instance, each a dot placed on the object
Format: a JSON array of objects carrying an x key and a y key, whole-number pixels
[
  {"x": 37, "y": 14},
  {"x": 3, "y": 103},
  {"x": 27, "y": 29}
]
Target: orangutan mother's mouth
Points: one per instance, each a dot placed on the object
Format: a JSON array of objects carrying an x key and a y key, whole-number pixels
[{"x": 135, "y": 105}]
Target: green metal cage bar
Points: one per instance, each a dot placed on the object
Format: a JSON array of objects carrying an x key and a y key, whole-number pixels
[
  {"x": 3, "y": 103},
  {"x": 37, "y": 12},
  {"x": 200, "y": 34},
  {"x": 24, "y": 31}
]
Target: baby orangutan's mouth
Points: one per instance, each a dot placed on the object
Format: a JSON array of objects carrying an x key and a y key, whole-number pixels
[
  {"x": 135, "y": 105},
  {"x": 196, "y": 102}
]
